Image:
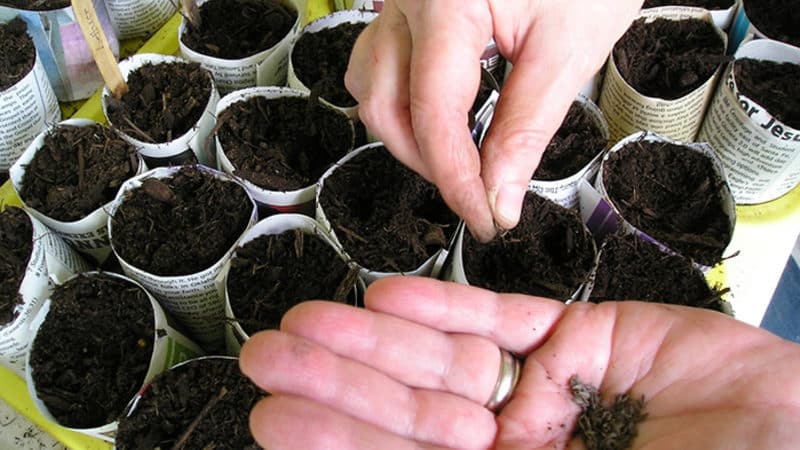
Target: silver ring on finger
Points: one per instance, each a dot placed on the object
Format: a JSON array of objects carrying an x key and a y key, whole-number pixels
[{"x": 506, "y": 381}]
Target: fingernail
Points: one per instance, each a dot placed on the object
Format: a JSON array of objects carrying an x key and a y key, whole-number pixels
[{"x": 506, "y": 204}]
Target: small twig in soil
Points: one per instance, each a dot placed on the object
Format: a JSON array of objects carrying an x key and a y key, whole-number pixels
[
  {"x": 352, "y": 234},
  {"x": 298, "y": 243},
  {"x": 203, "y": 413},
  {"x": 346, "y": 285},
  {"x": 139, "y": 131},
  {"x": 81, "y": 168}
]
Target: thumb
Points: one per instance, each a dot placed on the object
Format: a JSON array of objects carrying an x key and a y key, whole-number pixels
[{"x": 533, "y": 104}]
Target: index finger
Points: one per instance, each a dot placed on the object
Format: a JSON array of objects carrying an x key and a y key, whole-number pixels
[{"x": 449, "y": 37}]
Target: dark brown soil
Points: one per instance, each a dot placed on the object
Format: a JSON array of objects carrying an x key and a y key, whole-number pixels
[
  {"x": 777, "y": 19},
  {"x": 772, "y": 85},
  {"x": 550, "y": 253},
  {"x": 77, "y": 170},
  {"x": 16, "y": 244},
  {"x": 283, "y": 144},
  {"x": 203, "y": 404},
  {"x": 576, "y": 142},
  {"x": 235, "y": 29},
  {"x": 322, "y": 58},
  {"x": 180, "y": 225},
  {"x": 272, "y": 273},
  {"x": 36, "y": 5},
  {"x": 387, "y": 218},
  {"x": 164, "y": 101},
  {"x": 91, "y": 354},
  {"x": 602, "y": 427},
  {"x": 17, "y": 54},
  {"x": 671, "y": 193},
  {"x": 633, "y": 269},
  {"x": 707, "y": 4},
  {"x": 669, "y": 58}
]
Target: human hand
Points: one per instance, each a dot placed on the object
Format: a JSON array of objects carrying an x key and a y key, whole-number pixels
[
  {"x": 415, "y": 73},
  {"x": 415, "y": 370}
]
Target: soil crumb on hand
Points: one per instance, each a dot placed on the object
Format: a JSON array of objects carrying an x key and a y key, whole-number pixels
[{"x": 606, "y": 427}]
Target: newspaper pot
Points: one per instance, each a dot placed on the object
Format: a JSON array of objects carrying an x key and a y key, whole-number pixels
[
  {"x": 169, "y": 412},
  {"x": 765, "y": 19},
  {"x": 722, "y": 16},
  {"x": 29, "y": 104},
  {"x": 62, "y": 49},
  {"x": 687, "y": 208},
  {"x": 264, "y": 67},
  {"x": 675, "y": 109},
  {"x": 85, "y": 230},
  {"x": 760, "y": 152},
  {"x": 139, "y": 18},
  {"x": 583, "y": 129},
  {"x": 194, "y": 225},
  {"x": 550, "y": 253},
  {"x": 48, "y": 260},
  {"x": 190, "y": 146},
  {"x": 631, "y": 268},
  {"x": 386, "y": 218},
  {"x": 264, "y": 138},
  {"x": 305, "y": 82},
  {"x": 253, "y": 270},
  {"x": 96, "y": 391}
]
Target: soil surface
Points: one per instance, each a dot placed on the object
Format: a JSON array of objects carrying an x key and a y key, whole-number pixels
[
  {"x": 669, "y": 58},
  {"x": 16, "y": 244},
  {"x": 671, "y": 193},
  {"x": 17, "y": 54},
  {"x": 322, "y": 58},
  {"x": 603, "y": 427},
  {"x": 772, "y": 85},
  {"x": 180, "y": 225},
  {"x": 577, "y": 141},
  {"x": 163, "y": 102},
  {"x": 272, "y": 273},
  {"x": 203, "y": 404},
  {"x": 36, "y": 5},
  {"x": 387, "y": 218},
  {"x": 91, "y": 354},
  {"x": 77, "y": 170},
  {"x": 777, "y": 19},
  {"x": 707, "y": 4},
  {"x": 550, "y": 253},
  {"x": 235, "y": 29},
  {"x": 286, "y": 143},
  {"x": 633, "y": 269}
]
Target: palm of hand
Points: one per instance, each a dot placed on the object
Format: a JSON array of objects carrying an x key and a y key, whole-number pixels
[{"x": 708, "y": 382}]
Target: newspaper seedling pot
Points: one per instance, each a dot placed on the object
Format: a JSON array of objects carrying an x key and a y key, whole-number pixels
[
  {"x": 270, "y": 271},
  {"x": 170, "y": 411},
  {"x": 27, "y": 101},
  {"x": 98, "y": 339},
  {"x": 168, "y": 114},
  {"x": 386, "y": 218},
  {"x": 68, "y": 176},
  {"x": 572, "y": 155},
  {"x": 279, "y": 142},
  {"x": 674, "y": 193},
  {"x": 630, "y": 267},
  {"x": 765, "y": 19},
  {"x": 754, "y": 121},
  {"x": 34, "y": 259},
  {"x": 139, "y": 18},
  {"x": 173, "y": 229},
  {"x": 63, "y": 51},
  {"x": 722, "y": 11},
  {"x": 661, "y": 74},
  {"x": 320, "y": 53},
  {"x": 550, "y": 253},
  {"x": 244, "y": 44}
]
